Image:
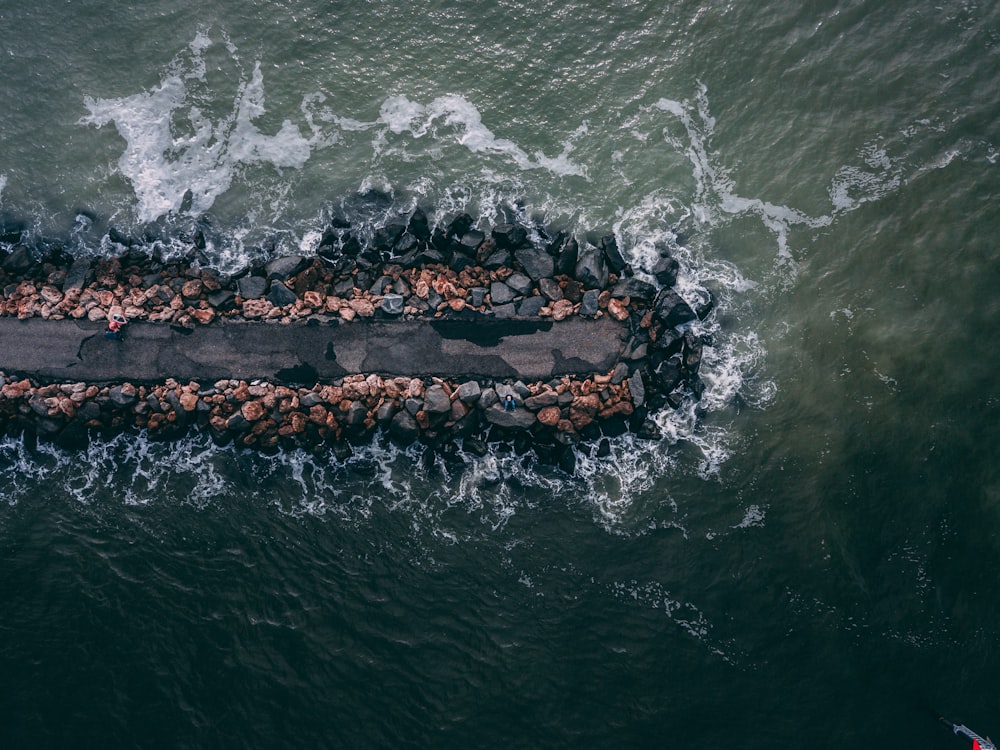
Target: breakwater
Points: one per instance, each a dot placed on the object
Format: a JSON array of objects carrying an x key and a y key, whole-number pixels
[{"x": 619, "y": 347}]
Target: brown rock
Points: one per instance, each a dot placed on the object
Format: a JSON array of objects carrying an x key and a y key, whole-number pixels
[
  {"x": 583, "y": 410},
  {"x": 561, "y": 309},
  {"x": 618, "y": 308},
  {"x": 313, "y": 299},
  {"x": 457, "y": 304},
  {"x": 192, "y": 289},
  {"x": 252, "y": 411},
  {"x": 50, "y": 295},
  {"x": 204, "y": 317},
  {"x": 620, "y": 409},
  {"x": 362, "y": 307},
  {"x": 549, "y": 416},
  {"x": 189, "y": 401}
]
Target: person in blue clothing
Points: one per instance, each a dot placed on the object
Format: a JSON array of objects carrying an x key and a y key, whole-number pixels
[{"x": 508, "y": 403}]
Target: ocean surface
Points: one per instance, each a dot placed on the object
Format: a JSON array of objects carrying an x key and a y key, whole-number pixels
[{"x": 810, "y": 557}]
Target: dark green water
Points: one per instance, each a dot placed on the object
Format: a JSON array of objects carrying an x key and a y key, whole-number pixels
[{"x": 808, "y": 561}]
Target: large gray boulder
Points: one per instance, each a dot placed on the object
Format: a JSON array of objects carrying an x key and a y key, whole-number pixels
[
  {"x": 537, "y": 263},
  {"x": 591, "y": 268},
  {"x": 519, "y": 419},
  {"x": 280, "y": 295},
  {"x": 436, "y": 401},
  {"x": 251, "y": 287},
  {"x": 500, "y": 293},
  {"x": 671, "y": 309},
  {"x": 285, "y": 266}
]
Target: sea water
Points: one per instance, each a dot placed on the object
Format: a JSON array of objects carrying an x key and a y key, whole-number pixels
[{"x": 807, "y": 557}]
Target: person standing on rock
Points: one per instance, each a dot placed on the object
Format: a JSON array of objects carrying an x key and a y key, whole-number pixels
[
  {"x": 508, "y": 403},
  {"x": 116, "y": 324}
]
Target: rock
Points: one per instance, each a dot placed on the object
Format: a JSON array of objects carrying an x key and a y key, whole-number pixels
[
  {"x": 665, "y": 271},
  {"x": 531, "y": 306},
  {"x": 519, "y": 419},
  {"x": 237, "y": 423},
  {"x": 280, "y": 295},
  {"x": 478, "y": 296},
  {"x": 436, "y": 401},
  {"x": 18, "y": 261},
  {"x": 634, "y": 289},
  {"x": 500, "y": 293},
  {"x": 562, "y": 309},
  {"x": 671, "y": 309},
  {"x": 496, "y": 260},
  {"x": 590, "y": 305},
  {"x": 406, "y": 243},
  {"x": 617, "y": 309},
  {"x": 583, "y": 410},
  {"x": 537, "y": 263},
  {"x": 419, "y": 227},
  {"x": 403, "y": 428},
  {"x": 251, "y": 287},
  {"x": 285, "y": 266},
  {"x": 549, "y": 416},
  {"x": 619, "y": 374},
  {"x": 509, "y": 235},
  {"x": 471, "y": 240},
  {"x": 520, "y": 283},
  {"x": 568, "y": 258},
  {"x": 504, "y": 311},
  {"x": 253, "y": 411},
  {"x": 543, "y": 399},
  {"x": 550, "y": 289},
  {"x": 392, "y": 304},
  {"x": 356, "y": 414},
  {"x": 592, "y": 270},
  {"x": 609, "y": 247},
  {"x": 79, "y": 275},
  {"x": 475, "y": 446},
  {"x": 123, "y": 395},
  {"x": 637, "y": 388},
  {"x": 223, "y": 299},
  {"x": 469, "y": 392}
]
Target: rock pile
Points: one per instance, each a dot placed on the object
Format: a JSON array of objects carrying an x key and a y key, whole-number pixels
[{"x": 406, "y": 270}]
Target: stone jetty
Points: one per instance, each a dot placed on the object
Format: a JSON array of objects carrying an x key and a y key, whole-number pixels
[{"x": 417, "y": 332}]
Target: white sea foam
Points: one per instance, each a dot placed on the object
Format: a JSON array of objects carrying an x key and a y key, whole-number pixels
[
  {"x": 453, "y": 117},
  {"x": 174, "y": 149},
  {"x": 3, "y": 184}
]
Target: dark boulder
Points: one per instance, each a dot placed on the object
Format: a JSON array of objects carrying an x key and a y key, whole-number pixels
[
  {"x": 436, "y": 400},
  {"x": 223, "y": 300},
  {"x": 665, "y": 271},
  {"x": 589, "y": 306},
  {"x": 403, "y": 429},
  {"x": 671, "y": 309},
  {"x": 280, "y": 295},
  {"x": 19, "y": 261},
  {"x": 531, "y": 306},
  {"x": 392, "y": 304},
  {"x": 635, "y": 289},
  {"x": 613, "y": 256},
  {"x": 550, "y": 289},
  {"x": 406, "y": 243},
  {"x": 285, "y": 266},
  {"x": 519, "y": 283},
  {"x": 569, "y": 255},
  {"x": 537, "y": 263},
  {"x": 591, "y": 269},
  {"x": 80, "y": 274},
  {"x": 472, "y": 240},
  {"x": 460, "y": 225},
  {"x": 500, "y": 293},
  {"x": 510, "y": 236},
  {"x": 386, "y": 237},
  {"x": 419, "y": 226},
  {"x": 119, "y": 237}
]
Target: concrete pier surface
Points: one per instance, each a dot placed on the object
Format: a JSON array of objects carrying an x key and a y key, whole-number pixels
[{"x": 300, "y": 353}]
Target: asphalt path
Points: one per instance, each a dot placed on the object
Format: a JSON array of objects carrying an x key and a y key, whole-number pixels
[{"x": 483, "y": 347}]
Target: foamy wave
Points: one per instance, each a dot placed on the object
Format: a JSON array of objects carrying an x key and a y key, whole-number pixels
[
  {"x": 714, "y": 187},
  {"x": 403, "y": 115},
  {"x": 3, "y": 184},
  {"x": 173, "y": 149}
]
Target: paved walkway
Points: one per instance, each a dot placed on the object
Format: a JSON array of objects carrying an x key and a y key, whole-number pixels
[{"x": 71, "y": 351}]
